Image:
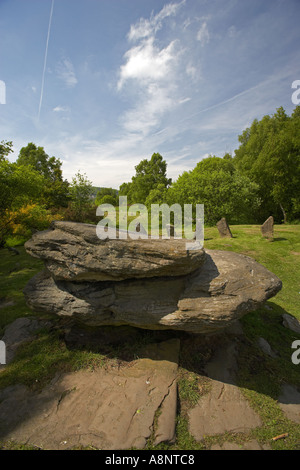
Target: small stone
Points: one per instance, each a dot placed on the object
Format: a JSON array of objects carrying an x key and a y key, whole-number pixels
[
  {"x": 265, "y": 347},
  {"x": 291, "y": 322}
]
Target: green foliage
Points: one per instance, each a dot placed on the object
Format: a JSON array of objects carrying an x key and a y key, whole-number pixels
[
  {"x": 149, "y": 174},
  {"x": 5, "y": 149},
  {"x": 107, "y": 196},
  {"x": 19, "y": 186},
  {"x": 29, "y": 219},
  {"x": 224, "y": 192},
  {"x": 157, "y": 195},
  {"x": 81, "y": 191},
  {"x": 56, "y": 190},
  {"x": 269, "y": 154},
  {"x": 36, "y": 157}
]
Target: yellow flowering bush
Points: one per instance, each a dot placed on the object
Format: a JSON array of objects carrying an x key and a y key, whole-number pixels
[{"x": 27, "y": 219}]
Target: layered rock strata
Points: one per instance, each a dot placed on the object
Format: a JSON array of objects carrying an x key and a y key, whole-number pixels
[{"x": 106, "y": 282}]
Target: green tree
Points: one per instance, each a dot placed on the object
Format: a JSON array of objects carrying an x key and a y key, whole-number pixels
[
  {"x": 20, "y": 185},
  {"x": 107, "y": 196},
  {"x": 56, "y": 191},
  {"x": 269, "y": 154},
  {"x": 158, "y": 195},
  {"x": 81, "y": 192},
  {"x": 224, "y": 192},
  {"x": 49, "y": 167},
  {"x": 5, "y": 149},
  {"x": 148, "y": 175},
  {"x": 124, "y": 189}
]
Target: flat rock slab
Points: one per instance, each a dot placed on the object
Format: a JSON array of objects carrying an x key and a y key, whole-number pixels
[
  {"x": 72, "y": 251},
  {"x": 106, "y": 409},
  {"x": 224, "y": 408},
  {"x": 289, "y": 402},
  {"x": 249, "y": 445},
  {"x": 227, "y": 286}
]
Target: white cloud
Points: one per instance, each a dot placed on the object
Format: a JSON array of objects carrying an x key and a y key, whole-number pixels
[
  {"x": 60, "y": 109},
  {"x": 203, "y": 34},
  {"x": 192, "y": 71},
  {"x": 65, "y": 71},
  {"x": 147, "y": 27},
  {"x": 152, "y": 69},
  {"x": 147, "y": 62},
  {"x": 149, "y": 110}
]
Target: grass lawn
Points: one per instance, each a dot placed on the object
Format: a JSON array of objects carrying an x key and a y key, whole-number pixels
[{"x": 260, "y": 376}]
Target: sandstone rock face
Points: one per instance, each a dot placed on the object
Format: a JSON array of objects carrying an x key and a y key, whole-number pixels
[
  {"x": 221, "y": 288},
  {"x": 72, "y": 251}
]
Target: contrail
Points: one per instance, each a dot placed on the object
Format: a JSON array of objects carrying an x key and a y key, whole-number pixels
[{"x": 45, "y": 59}]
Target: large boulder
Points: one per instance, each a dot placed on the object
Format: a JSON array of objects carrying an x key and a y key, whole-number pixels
[
  {"x": 73, "y": 251},
  {"x": 216, "y": 289}
]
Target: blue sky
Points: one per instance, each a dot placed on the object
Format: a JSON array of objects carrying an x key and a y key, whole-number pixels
[{"x": 110, "y": 82}]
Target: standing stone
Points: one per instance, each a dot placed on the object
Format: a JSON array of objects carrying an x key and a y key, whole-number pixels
[
  {"x": 170, "y": 230},
  {"x": 224, "y": 229},
  {"x": 267, "y": 227},
  {"x": 140, "y": 229}
]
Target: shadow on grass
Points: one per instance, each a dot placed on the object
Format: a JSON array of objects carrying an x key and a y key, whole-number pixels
[{"x": 257, "y": 373}]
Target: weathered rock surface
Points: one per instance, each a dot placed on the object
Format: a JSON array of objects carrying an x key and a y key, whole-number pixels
[
  {"x": 106, "y": 409},
  {"x": 223, "y": 408},
  {"x": 224, "y": 229},
  {"x": 268, "y": 227},
  {"x": 72, "y": 251},
  {"x": 248, "y": 445},
  {"x": 289, "y": 402},
  {"x": 225, "y": 287},
  {"x": 291, "y": 322}
]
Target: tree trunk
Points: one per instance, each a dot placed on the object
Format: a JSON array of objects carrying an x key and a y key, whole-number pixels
[{"x": 284, "y": 213}]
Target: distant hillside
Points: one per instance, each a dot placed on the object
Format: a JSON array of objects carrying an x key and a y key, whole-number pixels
[{"x": 98, "y": 188}]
